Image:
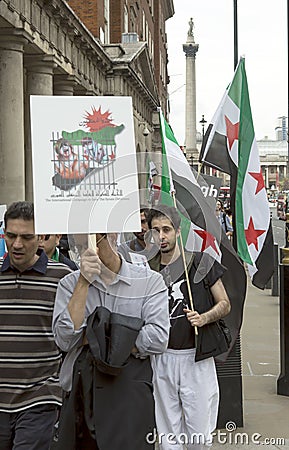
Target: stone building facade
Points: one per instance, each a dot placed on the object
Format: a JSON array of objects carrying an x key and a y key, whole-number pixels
[
  {"x": 273, "y": 161},
  {"x": 45, "y": 49}
]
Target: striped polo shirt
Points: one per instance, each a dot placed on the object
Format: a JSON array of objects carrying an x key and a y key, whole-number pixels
[{"x": 29, "y": 358}]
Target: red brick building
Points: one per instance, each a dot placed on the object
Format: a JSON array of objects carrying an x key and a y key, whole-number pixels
[{"x": 116, "y": 21}]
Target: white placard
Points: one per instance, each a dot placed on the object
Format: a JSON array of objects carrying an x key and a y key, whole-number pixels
[
  {"x": 84, "y": 165},
  {"x": 3, "y": 248},
  {"x": 2, "y": 212}
]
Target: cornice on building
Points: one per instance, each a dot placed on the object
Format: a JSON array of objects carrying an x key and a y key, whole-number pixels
[
  {"x": 268, "y": 146},
  {"x": 169, "y": 9},
  {"x": 132, "y": 59},
  {"x": 51, "y": 27}
]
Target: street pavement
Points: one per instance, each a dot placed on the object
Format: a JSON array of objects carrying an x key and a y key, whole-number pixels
[{"x": 265, "y": 413}]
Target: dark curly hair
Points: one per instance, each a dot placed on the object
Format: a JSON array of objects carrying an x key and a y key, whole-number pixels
[
  {"x": 19, "y": 210},
  {"x": 164, "y": 211}
]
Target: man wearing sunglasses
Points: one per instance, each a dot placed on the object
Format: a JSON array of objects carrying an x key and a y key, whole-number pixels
[
  {"x": 30, "y": 360},
  {"x": 50, "y": 245}
]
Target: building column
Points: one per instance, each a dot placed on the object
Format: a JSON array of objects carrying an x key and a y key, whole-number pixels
[
  {"x": 12, "y": 175},
  {"x": 39, "y": 81},
  {"x": 63, "y": 85},
  {"x": 266, "y": 177},
  {"x": 277, "y": 177}
]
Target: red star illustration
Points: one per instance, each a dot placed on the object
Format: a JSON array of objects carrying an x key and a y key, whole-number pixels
[
  {"x": 259, "y": 177},
  {"x": 232, "y": 130},
  {"x": 208, "y": 240},
  {"x": 112, "y": 156},
  {"x": 252, "y": 234}
]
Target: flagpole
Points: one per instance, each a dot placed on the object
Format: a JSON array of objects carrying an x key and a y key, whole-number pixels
[
  {"x": 201, "y": 166},
  {"x": 173, "y": 195},
  {"x": 186, "y": 269},
  {"x": 235, "y": 34},
  {"x": 288, "y": 82}
]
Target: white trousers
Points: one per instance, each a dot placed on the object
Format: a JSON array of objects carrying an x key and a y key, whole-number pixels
[{"x": 186, "y": 399}]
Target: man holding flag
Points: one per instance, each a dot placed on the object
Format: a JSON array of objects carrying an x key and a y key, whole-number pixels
[
  {"x": 201, "y": 230},
  {"x": 185, "y": 381},
  {"x": 229, "y": 146}
]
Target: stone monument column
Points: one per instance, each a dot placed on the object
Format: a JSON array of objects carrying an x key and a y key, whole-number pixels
[
  {"x": 12, "y": 119},
  {"x": 39, "y": 81},
  {"x": 190, "y": 48}
]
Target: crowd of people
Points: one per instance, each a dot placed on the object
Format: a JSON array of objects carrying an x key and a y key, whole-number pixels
[
  {"x": 224, "y": 217},
  {"x": 116, "y": 354}
]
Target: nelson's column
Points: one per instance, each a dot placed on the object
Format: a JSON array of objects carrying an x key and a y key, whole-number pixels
[{"x": 190, "y": 48}]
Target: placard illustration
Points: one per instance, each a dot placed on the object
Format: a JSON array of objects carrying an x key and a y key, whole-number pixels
[
  {"x": 78, "y": 153},
  {"x": 84, "y": 164}
]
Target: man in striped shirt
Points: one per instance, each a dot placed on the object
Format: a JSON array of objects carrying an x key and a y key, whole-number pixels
[{"x": 29, "y": 358}]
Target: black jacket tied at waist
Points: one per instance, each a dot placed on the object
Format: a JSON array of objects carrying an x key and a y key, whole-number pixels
[
  {"x": 111, "y": 337},
  {"x": 111, "y": 390}
]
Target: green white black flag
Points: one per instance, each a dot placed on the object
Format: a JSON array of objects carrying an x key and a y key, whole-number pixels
[
  {"x": 230, "y": 146},
  {"x": 202, "y": 229}
]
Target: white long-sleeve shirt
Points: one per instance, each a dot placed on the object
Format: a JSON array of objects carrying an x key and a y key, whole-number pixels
[{"x": 136, "y": 291}]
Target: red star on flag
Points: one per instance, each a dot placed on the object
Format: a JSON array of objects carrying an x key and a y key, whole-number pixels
[
  {"x": 208, "y": 240},
  {"x": 259, "y": 177},
  {"x": 232, "y": 130},
  {"x": 252, "y": 234}
]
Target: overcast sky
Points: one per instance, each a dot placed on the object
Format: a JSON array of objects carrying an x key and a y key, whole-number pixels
[{"x": 262, "y": 36}]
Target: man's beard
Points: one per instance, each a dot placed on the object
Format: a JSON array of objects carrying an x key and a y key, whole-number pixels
[{"x": 170, "y": 249}]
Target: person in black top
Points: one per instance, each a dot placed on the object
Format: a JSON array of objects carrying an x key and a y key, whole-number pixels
[{"x": 185, "y": 382}]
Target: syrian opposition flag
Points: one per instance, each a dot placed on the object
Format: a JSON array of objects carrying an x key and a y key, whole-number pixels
[
  {"x": 230, "y": 146},
  {"x": 195, "y": 238},
  {"x": 201, "y": 230}
]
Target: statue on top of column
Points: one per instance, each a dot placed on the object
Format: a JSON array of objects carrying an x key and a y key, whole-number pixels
[{"x": 191, "y": 27}]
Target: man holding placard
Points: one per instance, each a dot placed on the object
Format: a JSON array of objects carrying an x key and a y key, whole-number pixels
[{"x": 110, "y": 317}]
